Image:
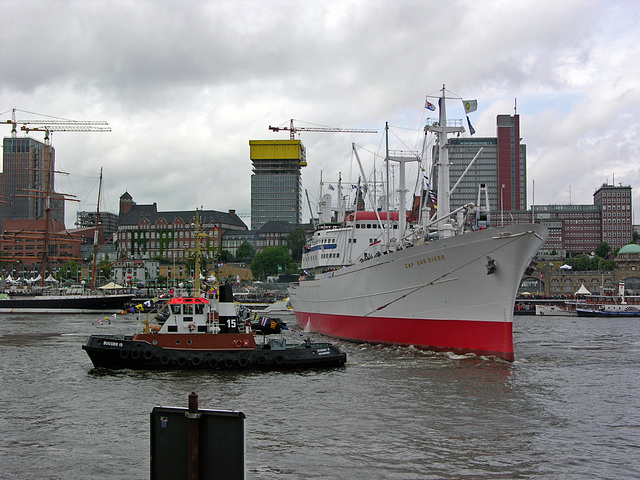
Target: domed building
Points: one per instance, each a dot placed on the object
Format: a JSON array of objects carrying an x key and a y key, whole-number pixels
[
  {"x": 628, "y": 268},
  {"x": 629, "y": 252}
]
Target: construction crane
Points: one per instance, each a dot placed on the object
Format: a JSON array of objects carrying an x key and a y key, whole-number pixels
[
  {"x": 292, "y": 130},
  {"x": 48, "y": 126},
  {"x": 55, "y": 125}
]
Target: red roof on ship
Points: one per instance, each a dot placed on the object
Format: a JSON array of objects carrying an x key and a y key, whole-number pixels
[
  {"x": 188, "y": 300},
  {"x": 372, "y": 216}
]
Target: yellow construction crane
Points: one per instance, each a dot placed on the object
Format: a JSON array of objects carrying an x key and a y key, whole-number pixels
[{"x": 292, "y": 130}]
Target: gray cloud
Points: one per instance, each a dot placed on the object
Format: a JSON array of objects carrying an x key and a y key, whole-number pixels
[{"x": 186, "y": 85}]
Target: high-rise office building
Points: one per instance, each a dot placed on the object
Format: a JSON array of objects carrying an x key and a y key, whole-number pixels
[
  {"x": 501, "y": 166},
  {"x": 617, "y": 220},
  {"x": 23, "y": 180},
  {"x": 276, "y": 183}
]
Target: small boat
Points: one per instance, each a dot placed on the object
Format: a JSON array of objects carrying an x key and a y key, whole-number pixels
[
  {"x": 54, "y": 300},
  {"x": 88, "y": 303},
  {"x": 526, "y": 308},
  {"x": 608, "y": 310},
  {"x": 192, "y": 338},
  {"x": 195, "y": 337},
  {"x": 554, "y": 310},
  {"x": 609, "y": 304},
  {"x": 279, "y": 306},
  {"x": 267, "y": 325},
  {"x": 272, "y": 306}
]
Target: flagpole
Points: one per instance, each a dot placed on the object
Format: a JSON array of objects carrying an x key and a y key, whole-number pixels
[{"x": 533, "y": 202}]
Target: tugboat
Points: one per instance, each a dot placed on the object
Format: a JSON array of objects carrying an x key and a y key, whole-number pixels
[{"x": 193, "y": 337}]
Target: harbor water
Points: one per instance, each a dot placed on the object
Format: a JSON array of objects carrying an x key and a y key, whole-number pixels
[{"x": 567, "y": 408}]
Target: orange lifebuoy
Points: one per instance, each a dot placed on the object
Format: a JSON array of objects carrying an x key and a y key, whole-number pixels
[
  {"x": 238, "y": 343},
  {"x": 192, "y": 327}
]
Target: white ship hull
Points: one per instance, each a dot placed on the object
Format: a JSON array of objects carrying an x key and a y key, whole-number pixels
[{"x": 437, "y": 296}]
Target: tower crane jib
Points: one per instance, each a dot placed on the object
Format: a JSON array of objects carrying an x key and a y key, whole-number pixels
[{"x": 292, "y": 129}]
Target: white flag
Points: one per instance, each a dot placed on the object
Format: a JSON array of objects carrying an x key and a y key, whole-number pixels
[{"x": 470, "y": 105}]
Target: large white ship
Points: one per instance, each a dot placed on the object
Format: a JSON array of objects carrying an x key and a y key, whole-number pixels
[{"x": 373, "y": 276}]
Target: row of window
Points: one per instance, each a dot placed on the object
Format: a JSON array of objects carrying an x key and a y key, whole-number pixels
[
  {"x": 616, "y": 207},
  {"x": 272, "y": 200},
  {"x": 623, "y": 193},
  {"x": 163, "y": 235},
  {"x": 375, "y": 225},
  {"x": 274, "y": 190},
  {"x": 268, "y": 180},
  {"x": 162, "y": 224},
  {"x": 314, "y": 257},
  {"x": 270, "y": 208}
]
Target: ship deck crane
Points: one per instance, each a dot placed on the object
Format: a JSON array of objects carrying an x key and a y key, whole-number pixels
[{"x": 292, "y": 129}]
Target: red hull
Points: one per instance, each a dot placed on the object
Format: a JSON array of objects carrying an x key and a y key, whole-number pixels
[{"x": 459, "y": 336}]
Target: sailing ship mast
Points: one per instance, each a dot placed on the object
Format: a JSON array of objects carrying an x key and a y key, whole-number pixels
[
  {"x": 95, "y": 234},
  {"x": 48, "y": 126},
  {"x": 198, "y": 252}
]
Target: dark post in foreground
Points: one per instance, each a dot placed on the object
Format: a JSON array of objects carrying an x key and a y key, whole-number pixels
[
  {"x": 193, "y": 417},
  {"x": 179, "y": 435}
]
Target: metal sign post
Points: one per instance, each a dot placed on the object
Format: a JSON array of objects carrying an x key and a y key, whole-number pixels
[{"x": 192, "y": 444}]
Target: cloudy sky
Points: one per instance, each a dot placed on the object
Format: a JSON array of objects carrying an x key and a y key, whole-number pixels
[{"x": 185, "y": 85}]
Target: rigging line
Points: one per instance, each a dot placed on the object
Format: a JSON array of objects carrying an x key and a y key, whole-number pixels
[
  {"x": 444, "y": 275},
  {"x": 399, "y": 139},
  {"x": 454, "y": 96},
  {"x": 44, "y": 115},
  {"x": 376, "y": 155}
]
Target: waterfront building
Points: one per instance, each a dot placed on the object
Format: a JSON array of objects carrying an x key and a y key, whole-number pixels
[
  {"x": 23, "y": 181},
  {"x": 573, "y": 229},
  {"x": 137, "y": 271},
  {"x": 23, "y": 241},
  {"x": 276, "y": 182},
  {"x": 578, "y": 229},
  {"x": 107, "y": 220},
  {"x": 273, "y": 234},
  {"x": 553, "y": 281},
  {"x": 501, "y": 166},
  {"x": 628, "y": 268},
  {"x": 232, "y": 239},
  {"x": 144, "y": 232},
  {"x": 617, "y": 220}
]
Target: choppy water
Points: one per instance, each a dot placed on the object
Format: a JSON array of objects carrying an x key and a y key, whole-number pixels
[{"x": 568, "y": 408}]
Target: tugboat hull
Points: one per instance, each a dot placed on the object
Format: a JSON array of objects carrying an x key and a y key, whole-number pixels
[{"x": 122, "y": 352}]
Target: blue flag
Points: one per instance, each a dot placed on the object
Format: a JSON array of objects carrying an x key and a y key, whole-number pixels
[{"x": 471, "y": 129}]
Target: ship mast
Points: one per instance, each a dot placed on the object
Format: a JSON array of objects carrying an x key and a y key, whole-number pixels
[
  {"x": 442, "y": 130},
  {"x": 47, "y": 207},
  {"x": 401, "y": 157},
  {"x": 198, "y": 235},
  {"x": 95, "y": 234}
]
